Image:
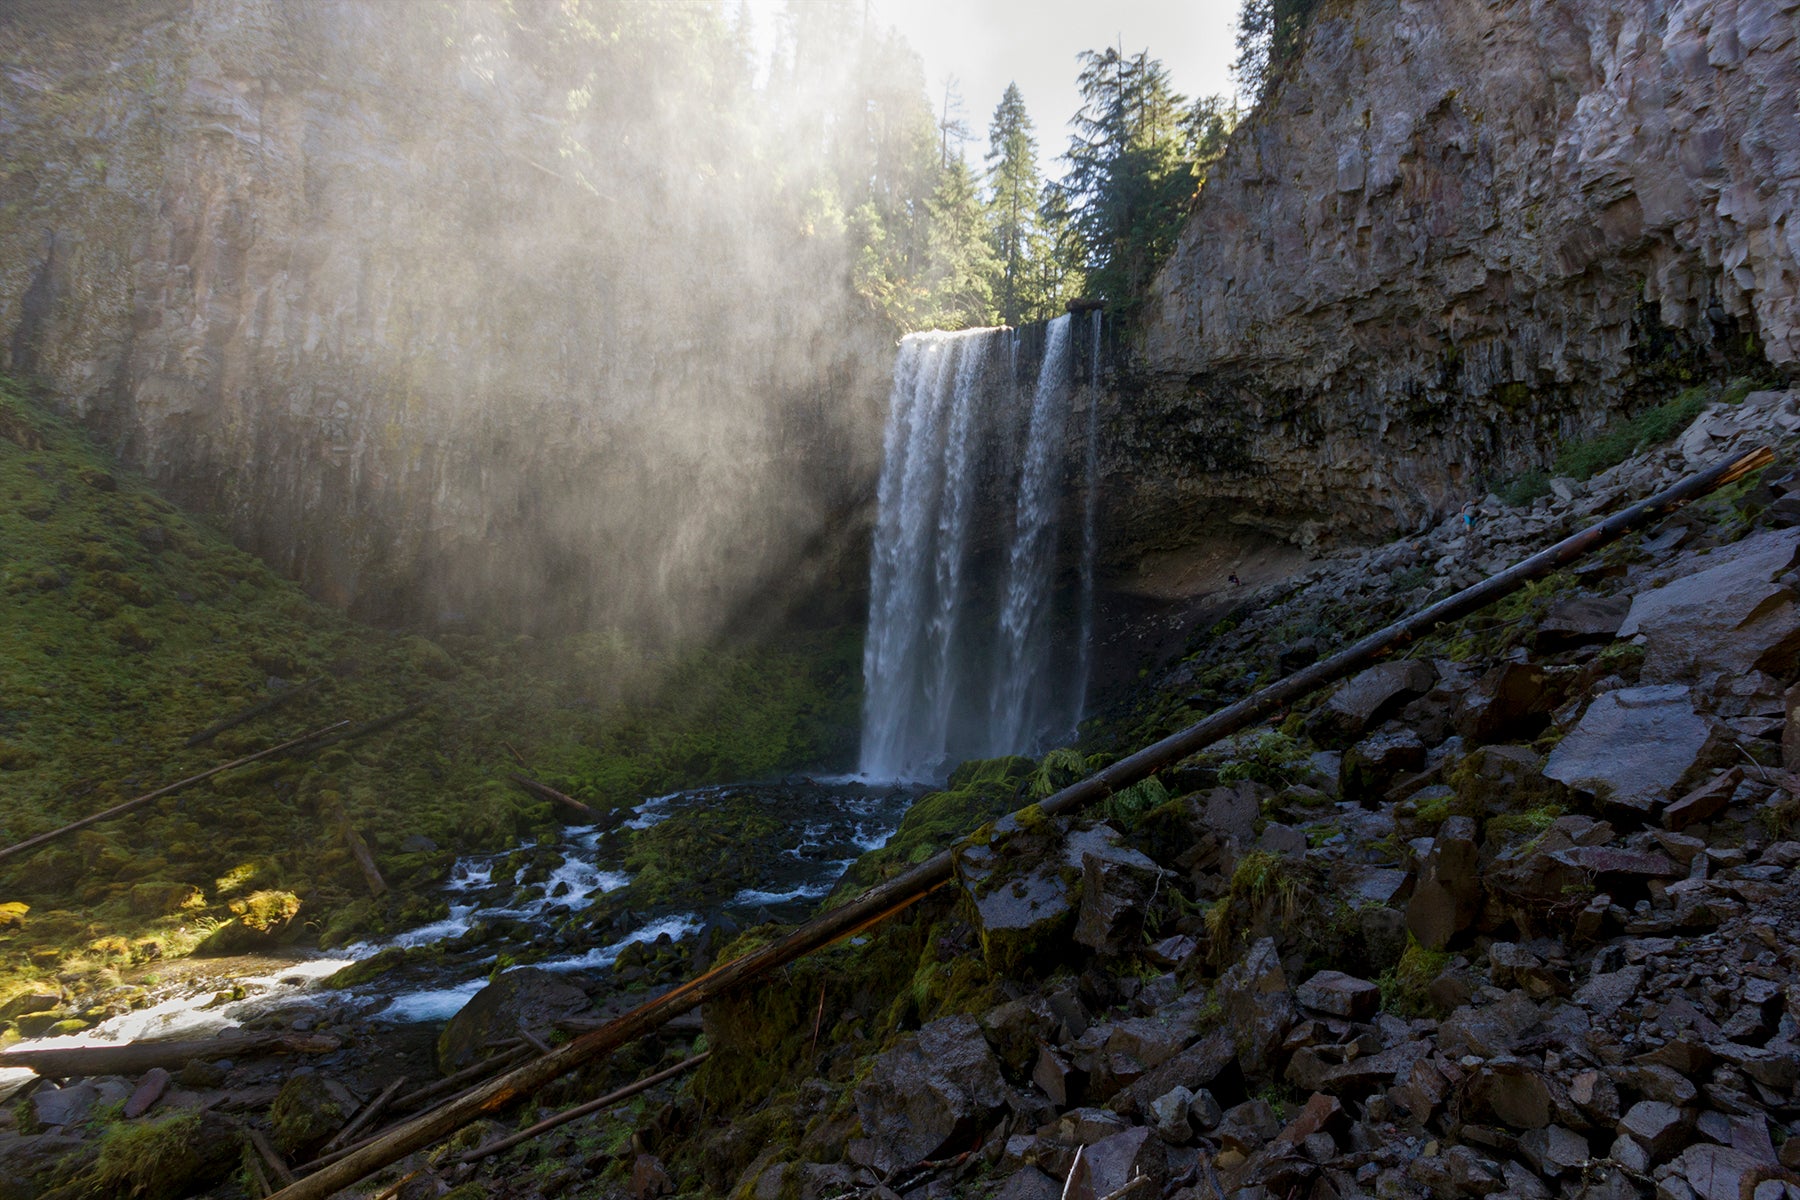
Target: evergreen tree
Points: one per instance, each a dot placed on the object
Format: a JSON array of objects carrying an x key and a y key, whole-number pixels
[
  {"x": 962, "y": 262},
  {"x": 1014, "y": 186},
  {"x": 1269, "y": 36},
  {"x": 1130, "y": 176}
]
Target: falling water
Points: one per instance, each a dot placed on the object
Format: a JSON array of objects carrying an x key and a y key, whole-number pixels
[{"x": 967, "y": 652}]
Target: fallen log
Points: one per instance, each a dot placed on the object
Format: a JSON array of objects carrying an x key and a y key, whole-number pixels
[
  {"x": 359, "y": 850},
  {"x": 134, "y": 1058},
  {"x": 363, "y": 1119},
  {"x": 544, "y": 791},
  {"x": 250, "y": 714},
  {"x": 33, "y": 843},
  {"x": 582, "y": 1110},
  {"x": 270, "y": 1156},
  {"x": 375, "y": 726},
  {"x": 895, "y": 895}
]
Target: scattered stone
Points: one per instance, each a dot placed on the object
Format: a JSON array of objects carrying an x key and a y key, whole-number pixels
[
  {"x": 1514, "y": 700},
  {"x": 1115, "y": 1161},
  {"x": 1029, "y": 1183},
  {"x": 1340, "y": 995},
  {"x": 1604, "y": 994},
  {"x": 1116, "y": 883},
  {"x": 1661, "y": 1129},
  {"x": 1510, "y": 1091},
  {"x": 1372, "y": 765},
  {"x": 1169, "y": 1111},
  {"x": 53, "y": 1106}
]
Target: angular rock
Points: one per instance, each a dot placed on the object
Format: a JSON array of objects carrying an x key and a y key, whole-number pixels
[
  {"x": 1704, "y": 802},
  {"x": 1258, "y": 1009},
  {"x": 1057, "y": 1077},
  {"x": 1510, "y": 1091},
  {"x": 934, "y": 1087},
  {"x": 1372, "y": 765},
  {"x": 1661, "y": 1129},
  {"x": 1029, "y": 1183},
  {"x": 1730, "y": 613},
  {"x": 1581, "y": 621},
  {"x": 52, "y": 1106},
  {"x": 1606, "y": 993},
  {"x": 1368, "y": 699},
  {"x": 1514, "y": 700},
  {"x": 1715, "y": 1172},
  {"x": 1340, "y": 995},
  {"x": 1667, "y": 741},
  {"x": 1194, "y": 1068},
  {"x": 1116, "y": 882},
  {"x": 1555, "y": 1150},
  {"x": 1017, "y": 1029},
  {"x": 1115, "y": 1161},
  {"x": 1447, "y": 896},
  {"x": 149, "y": 1090},
  {"x": 1489, "y": 1031},
  {"x": 1169, "y": 1113}
]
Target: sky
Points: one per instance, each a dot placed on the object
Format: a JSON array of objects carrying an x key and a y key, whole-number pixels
[{"x": 985, "y": 44}]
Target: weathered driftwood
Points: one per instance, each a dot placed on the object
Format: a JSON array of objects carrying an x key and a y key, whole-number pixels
[
  {"x": 582, "y": 1110},
  {"x": 133, "y": 1058},
  {"x": 33, "y": 843},
  {"x": 250, "y": 714},
  {"x": 544, "y": 791},
  {"x": 893, "y": 896},
  {"x": 270, "y": 1156},
  {"x": 365, "y": 1118}
]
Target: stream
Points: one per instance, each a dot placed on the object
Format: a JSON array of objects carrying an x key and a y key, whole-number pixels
[{"x": 525, "y": 903}]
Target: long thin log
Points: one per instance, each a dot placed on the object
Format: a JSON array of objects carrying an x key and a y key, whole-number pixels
[
  {"x": 33, "y": 843},
  {"x": 250, "y": 714},
  {"x": 544, "y": 791},
  {"x": 885, "y": 899},
  {"x": 359, "y": 849},
  {"x": 132, "y": 1058},
  {"x": 375, "y": 726},
  {"x": 277, "y": 1164},
  {"x": 582, "y": 1110}
]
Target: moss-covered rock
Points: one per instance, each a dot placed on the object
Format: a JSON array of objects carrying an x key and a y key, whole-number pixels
[{"x": 304, "y": 1114}]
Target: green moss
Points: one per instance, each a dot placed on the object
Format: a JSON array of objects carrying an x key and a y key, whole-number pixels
[
  {"x": 1403, "y": 987},
  {"x": 156, "y": 1161}
]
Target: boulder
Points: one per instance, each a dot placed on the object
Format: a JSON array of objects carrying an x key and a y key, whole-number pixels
[
  {"x": 54, "y": 1106},
  {"x": 1634, "y": 748},
  {"x": 1726, "y": 611},
  {"x": 1447, "y": 897},
  {"x": 1373, "y": 765},
  {"x": 1020, "y": 892},
  {"x": 1660, "y": 1128},
  {"x": 1340, "y": 995},
  {"x": 1258, "y": 1009},
  {"x": 1116, "y": 884},
  {"x": 1115, "y": 1161},
  {"x": 1705, "y": 802},
  {"x": 1029, "y": 1183},
  {"x": 1514, "y": 700},
  {"x": 1507, "y": 1090},
  {"x": 1580, "y": 621},
  {"x": 528, "y": 998},
  {"x": 1368, "y": 699},
  {"x": 934, "y": 1088}
]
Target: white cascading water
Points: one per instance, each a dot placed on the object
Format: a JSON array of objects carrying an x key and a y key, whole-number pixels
[{"x": 962, "y": 661}]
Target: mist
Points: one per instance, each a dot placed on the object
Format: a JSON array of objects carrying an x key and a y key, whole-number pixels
[{"x": 536, "y": 313}]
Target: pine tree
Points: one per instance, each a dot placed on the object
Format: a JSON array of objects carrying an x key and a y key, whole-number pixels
[
  {"x": 1014, "y": 185},
  {"x": 1269, "y": 37}
]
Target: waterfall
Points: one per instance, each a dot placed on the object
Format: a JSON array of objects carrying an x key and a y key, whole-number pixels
[{"x": 969, "y": 652}]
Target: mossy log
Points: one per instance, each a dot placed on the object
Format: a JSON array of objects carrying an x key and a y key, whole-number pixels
[
  {"x": 251, "y": 713},
  {"x": 544, "y": 791},
  {"x": 885, "y": 900}
]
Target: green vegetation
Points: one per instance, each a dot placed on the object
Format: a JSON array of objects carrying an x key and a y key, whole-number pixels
[
  {"x": 1404, "y": 987},
  {"x": 1583, "y": 458},
  {"x": 1269, "y": 39},
  {"x": 128, "y": 626},
  {"x": 159, "y": 1160}
]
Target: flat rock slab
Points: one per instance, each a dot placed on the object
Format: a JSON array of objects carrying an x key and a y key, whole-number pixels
[
  {"x": 1634, "y": 747},
  {"x": 1726, "y": 613},
  {"x": 1340, "y": 995},
  {"x": 1369, "y": 698},
  {"x": 64, "y": 1106}
]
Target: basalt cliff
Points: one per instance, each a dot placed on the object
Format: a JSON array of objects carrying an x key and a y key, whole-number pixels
[{"x": 1454, "y": 234}]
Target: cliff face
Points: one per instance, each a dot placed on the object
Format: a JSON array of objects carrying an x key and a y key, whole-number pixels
[
  {"x": 440, "y": 316},
  {"x": 1456, "y": 233}
]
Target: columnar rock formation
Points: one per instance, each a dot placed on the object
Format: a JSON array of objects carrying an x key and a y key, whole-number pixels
[
  {"x": 1454, "y": 234},
  {"x": 441, "y": 313}
]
